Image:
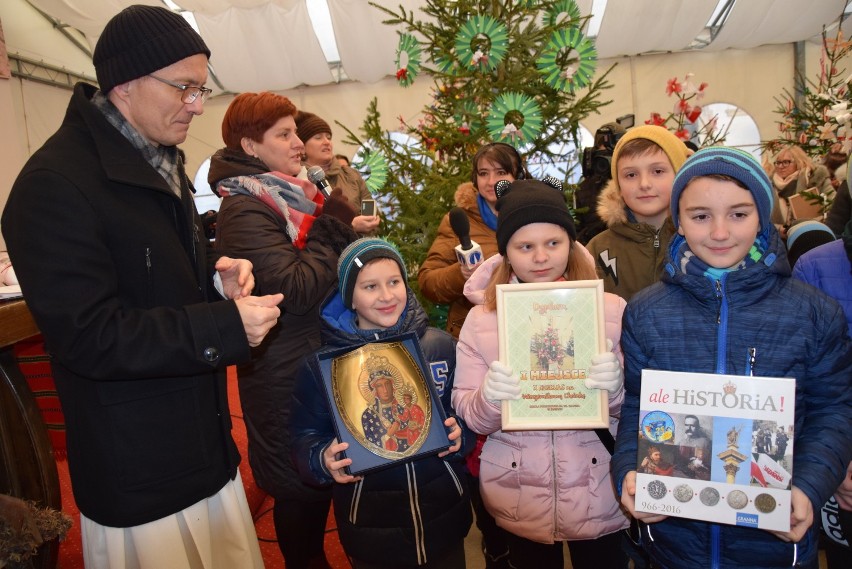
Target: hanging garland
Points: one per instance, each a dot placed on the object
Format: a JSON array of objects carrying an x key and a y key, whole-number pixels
[
  {"x": 509, "y": 107},
  {"x": 569, "y": 7},
  {"x": 375, "y": 167},
  {"x": 577, "y": 72},
  {"x": 484, "y": 57},
  {"x": 409, "y": 46}
]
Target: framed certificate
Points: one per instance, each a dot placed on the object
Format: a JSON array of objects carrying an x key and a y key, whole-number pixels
[
  {"x": 548, "y": 333},
  {"x": 383, "y": 403}
]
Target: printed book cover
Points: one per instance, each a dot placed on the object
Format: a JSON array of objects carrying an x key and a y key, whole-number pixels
[{"x": 716, "y": 448}]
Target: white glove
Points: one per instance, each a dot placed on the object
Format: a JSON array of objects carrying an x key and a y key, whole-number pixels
[
  {"x": 605, "y": 371},
  {"x": 500, "y": 383}
]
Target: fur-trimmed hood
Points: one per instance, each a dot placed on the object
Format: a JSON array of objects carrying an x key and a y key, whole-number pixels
[
  {"x": 611, "y": 206},
  {"x": 465, "y": 196}
]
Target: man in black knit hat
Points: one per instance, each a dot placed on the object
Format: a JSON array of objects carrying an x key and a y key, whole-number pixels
[{"x": 140, "y": 319}]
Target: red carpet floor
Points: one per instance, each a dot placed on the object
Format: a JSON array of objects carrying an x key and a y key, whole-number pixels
[{"x": 71, "y": 554}]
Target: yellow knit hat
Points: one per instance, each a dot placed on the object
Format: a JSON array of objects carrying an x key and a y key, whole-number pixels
[{"x": 674, "y": 147}]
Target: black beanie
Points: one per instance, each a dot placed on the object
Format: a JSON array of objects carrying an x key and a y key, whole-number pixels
[
  {"x": 140, "y": 40},
  {"x": 531, "y": 201}
]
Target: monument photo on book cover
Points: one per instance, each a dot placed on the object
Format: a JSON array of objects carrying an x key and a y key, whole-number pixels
[
  {"x": 382, "y": 403},
  {"x": 716, "y": 448}
]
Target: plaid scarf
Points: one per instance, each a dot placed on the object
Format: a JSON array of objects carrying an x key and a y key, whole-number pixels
[
  {"x": 164, "y": 159},
  {"x": 294, "y": 200}
]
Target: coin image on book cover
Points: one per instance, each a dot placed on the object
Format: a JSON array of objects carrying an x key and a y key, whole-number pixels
[
  {"x": 656, "y": 489},
  {"x": 658, "y": 427},
  {"x": 737, "y": 499},
  {"x": 683, "y": 493},
  {"x": 765, "y": 503},
  {"x": 709, "y": 496}
]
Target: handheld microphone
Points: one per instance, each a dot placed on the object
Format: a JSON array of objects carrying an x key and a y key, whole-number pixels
[
  {"x": 468, "y": 252},
  {"x": 317, "y": 176}
]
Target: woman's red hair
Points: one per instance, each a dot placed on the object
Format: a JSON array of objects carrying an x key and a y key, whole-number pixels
[{"x": 252, "y": 114}]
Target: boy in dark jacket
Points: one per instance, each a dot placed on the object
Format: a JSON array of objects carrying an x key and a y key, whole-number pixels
[
  {"x": 411, "y": 514},
  {"x": 726, "y": 294}
]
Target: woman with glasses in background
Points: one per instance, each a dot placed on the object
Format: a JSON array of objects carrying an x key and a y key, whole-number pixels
[{"x": 793, "y": 172}]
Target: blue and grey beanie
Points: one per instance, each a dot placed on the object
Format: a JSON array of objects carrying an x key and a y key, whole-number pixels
[
  {"x": 358, "y": 254},
  {"x": 731, "y": 162}
]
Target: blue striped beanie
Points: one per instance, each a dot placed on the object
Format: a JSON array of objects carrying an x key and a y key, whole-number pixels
[
  {"x": 356, "y": 256},
  {"x": 804, "y": 236},
  {"x": 731, "y": 162}
]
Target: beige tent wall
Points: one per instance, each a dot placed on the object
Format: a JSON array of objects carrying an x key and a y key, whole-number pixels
[{"x": 749, "y": 79}]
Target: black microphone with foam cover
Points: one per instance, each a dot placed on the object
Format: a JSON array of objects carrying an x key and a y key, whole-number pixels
[
  {"x": 461, "y": 227},
  {"x": 317, "y": 175}
]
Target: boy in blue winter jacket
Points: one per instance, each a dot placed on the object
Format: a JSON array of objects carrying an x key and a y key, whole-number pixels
[
  {"x": 409, "y": 515},
  {"x": 726, "y": 294}
]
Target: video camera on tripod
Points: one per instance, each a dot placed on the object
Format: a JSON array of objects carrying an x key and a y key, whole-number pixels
[{"x": 597, "y": 160}]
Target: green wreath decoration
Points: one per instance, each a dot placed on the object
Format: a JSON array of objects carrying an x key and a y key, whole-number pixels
[
  {"x": 484, "y": 59},
  {"x": 502, "y": 129},
  {"x": 468, "y": 112},
  {"x": 408, "y": 45},
  {"x": 374, "y": 166},
  {"x": 551, "y": 17},
  {"x": 576, "y": 73},
  {"x": 445, "y": 64}
]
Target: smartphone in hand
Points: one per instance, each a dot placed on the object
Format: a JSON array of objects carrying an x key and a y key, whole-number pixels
[{"x": 368, "y": 207}]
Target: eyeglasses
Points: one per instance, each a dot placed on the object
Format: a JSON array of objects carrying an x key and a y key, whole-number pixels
[
  {"x": 782, "y": 163},
  {"x": 190, "y": 93}
]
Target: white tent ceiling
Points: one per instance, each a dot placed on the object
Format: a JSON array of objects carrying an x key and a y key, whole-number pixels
[{"x": 271, "y": 44}]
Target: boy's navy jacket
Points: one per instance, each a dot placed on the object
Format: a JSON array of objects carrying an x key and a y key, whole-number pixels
[
  {"x": 690, "y": 323},
  {"x": 407, "y": 514}
]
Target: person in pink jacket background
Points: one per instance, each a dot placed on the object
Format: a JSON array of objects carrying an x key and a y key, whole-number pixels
[{"x": 543, "y": 487}]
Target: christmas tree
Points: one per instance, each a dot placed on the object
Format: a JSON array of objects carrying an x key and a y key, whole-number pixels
[
  {"x": 821, "y": 117},
  {"x": 518, "y": 71}
]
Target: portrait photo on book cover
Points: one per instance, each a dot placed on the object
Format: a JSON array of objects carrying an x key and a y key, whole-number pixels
[{"x": 383, "y": 404}]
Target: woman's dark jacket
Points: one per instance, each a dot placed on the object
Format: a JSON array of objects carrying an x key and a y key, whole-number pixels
[
  {"x": 407, "y": 514},
  {"x": 116, "y": 272},
  {"x": 249, "y": 229},
  {"x": 690, "y": 323}
]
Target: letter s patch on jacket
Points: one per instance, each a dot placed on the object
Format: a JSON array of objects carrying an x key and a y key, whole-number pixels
[{"x": 439, "y": 375}]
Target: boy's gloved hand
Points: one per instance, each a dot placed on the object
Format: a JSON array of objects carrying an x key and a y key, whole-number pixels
[
  {"x": 500, "y": 383},
  {"x": 605, "y": 371}
]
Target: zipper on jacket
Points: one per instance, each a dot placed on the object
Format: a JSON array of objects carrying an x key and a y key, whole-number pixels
[
  {"x": 555, "y": 482},
  {"x": 150, "y": 275},
  {"x": 722, "y": 323},
  {"x": 657, "y": 241},
  {"x": 714, "y": 546},
  {"x": 195, "y": 231},
  {"x": 721, "y": 352},
  {"x": 752, "y": 359}
]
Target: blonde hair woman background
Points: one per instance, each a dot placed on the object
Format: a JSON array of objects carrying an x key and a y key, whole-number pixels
[{"x": 793, "y": 172}]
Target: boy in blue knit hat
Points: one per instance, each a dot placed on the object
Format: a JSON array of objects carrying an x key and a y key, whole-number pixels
[
  {"x": 727, "y": 305},
  {"x": 410, "y": 514}
]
